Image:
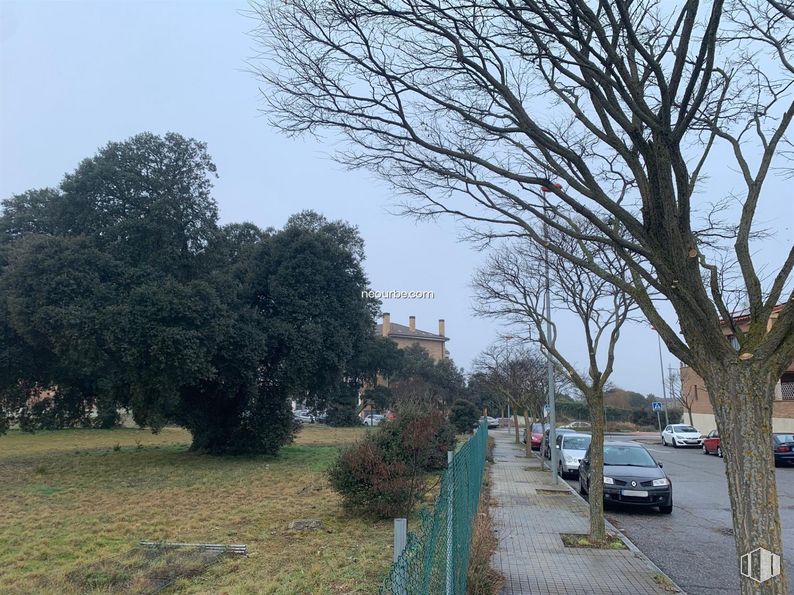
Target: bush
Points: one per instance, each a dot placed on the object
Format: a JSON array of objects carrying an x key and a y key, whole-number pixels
[
  {"x": 382, "y": 475},
  {"x": 369, "y": 484},
  {"x": 419, "y": 436},
  {"x": 464, "y": 415}
]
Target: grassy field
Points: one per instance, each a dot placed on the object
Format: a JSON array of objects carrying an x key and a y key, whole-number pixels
[{"x": 72, "y": 499}]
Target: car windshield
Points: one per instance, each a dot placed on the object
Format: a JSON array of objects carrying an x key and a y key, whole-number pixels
[
  {"x": 784, "y": 437},
  {"x": 632, "y": 456},
  {"x": 576, "y": 443},
  {"x": 684, "y": 429},
  {"x": 537, "y": 428}
]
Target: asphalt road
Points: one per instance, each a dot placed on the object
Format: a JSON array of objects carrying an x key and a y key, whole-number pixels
[{"x": 694, "y": 545}]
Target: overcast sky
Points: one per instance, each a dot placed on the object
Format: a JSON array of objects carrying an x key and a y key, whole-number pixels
[{"x": 75, "y": 75}]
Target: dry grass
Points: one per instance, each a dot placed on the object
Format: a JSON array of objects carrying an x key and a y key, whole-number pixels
[
  {"x": 73, "y": 498},
  {"x": 581, "y": 540},
  {"x": 482, "y": 578}
]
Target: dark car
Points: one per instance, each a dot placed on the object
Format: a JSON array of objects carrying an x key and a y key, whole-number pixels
[
  {"x": 783, "y": 448},
  {"x": 631, "y": 476},
  {"x": 536, "y": 435},
  {"x": 711, "y": 444}
]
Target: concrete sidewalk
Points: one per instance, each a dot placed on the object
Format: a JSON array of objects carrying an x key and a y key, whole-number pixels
[{"x": 529, "y": 514}]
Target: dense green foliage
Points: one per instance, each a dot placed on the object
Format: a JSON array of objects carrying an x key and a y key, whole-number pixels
[
  {"x": 464, "y": 415},
  {"x": 120, "y": 290},
  {"x": 421, "y": 379}
]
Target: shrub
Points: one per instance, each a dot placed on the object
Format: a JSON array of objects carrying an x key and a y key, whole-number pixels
[
  {"x": 382, "y": 475},
  {"x": 369, "y": 484},
  {"x": 464, "y": 415},
  {"x": 419, "y": 436}
]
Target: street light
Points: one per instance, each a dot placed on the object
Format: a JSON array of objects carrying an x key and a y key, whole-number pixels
[
  {"x": 549, "y": 363},
  {"x": 664, "y": 389}
]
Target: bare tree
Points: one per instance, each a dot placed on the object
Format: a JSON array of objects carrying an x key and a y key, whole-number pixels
[
  {"x": 470, "y": 107},
  {"x": 686, "y": 397},
  {"x": 511, "y": 286},
  {"x": 519, "y": 374}
]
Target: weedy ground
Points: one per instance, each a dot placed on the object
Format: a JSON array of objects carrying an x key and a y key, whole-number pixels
[{"x": 72, "y": 500}]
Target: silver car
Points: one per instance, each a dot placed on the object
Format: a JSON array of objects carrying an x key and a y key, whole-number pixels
[{"x": 571, "y": 448}]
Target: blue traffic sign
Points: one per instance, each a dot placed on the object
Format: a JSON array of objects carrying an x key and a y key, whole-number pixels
[{"x": 657, "y": 406}]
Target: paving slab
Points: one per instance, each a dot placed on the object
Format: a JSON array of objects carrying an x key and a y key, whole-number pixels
[{"x": 529, "y": 513}]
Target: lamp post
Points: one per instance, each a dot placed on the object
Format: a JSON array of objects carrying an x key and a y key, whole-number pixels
[
  {"x": 664, "y": 389},
  {"x": 549, "y": 362}
]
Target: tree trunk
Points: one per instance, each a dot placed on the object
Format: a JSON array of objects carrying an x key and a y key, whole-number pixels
[
  {"x": 742, "y": 397},
  {"x": 515, "y": 423},
  {"x": 689, "y": 411},
  {"x": 528, "y": 445},
  {"x": 595, "y": 403}
]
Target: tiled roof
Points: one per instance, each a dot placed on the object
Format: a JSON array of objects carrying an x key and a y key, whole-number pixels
[
  {"x": 745, "y": 316},
  {"x": 400, "y": 330}
]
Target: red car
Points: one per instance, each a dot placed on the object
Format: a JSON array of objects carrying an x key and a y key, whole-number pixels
[
  {"x": 711, "y": 444},
  {"x": 537, "y": 435}
]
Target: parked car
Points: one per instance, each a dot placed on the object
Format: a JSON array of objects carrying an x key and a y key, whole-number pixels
[
  {"x": 304, "y": 416},
  {"x": 491, "y": 422},
  {"x": 580, "y": 426},
  {"x": 711, "y": 444},
  {"x": 783, "y": 448},
  {"x": 681, "y": 435},
  {"x": 536, "y": 436},
  {"x": 374, "y": 419},
  {"x": 572, "y": 447},
  {"x": 631, "y": 476},
  {"x": 560, "y": 431}
]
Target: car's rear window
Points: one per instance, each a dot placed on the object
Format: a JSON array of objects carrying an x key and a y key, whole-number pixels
[{"x": 784, "y": 437}]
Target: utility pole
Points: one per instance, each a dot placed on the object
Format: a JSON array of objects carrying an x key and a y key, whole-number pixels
[
  {"x": 549, "y": 362},
  {"x": 664, "y": 383}
]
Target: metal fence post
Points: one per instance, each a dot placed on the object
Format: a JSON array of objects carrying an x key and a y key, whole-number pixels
[
  {"x": 450, "y": 582},
  {"x": 400, "y": 537}
]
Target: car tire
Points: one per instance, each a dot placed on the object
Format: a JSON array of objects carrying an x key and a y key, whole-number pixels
[
  {"x": 719, "y": 451},
  {"x": 666, "y": 509},
  {"x": 560, "y": 472},
  {"x": 675, "y": 445},
  {"x": 705, "y": 452},
  {"x": 581, "y": 486}
]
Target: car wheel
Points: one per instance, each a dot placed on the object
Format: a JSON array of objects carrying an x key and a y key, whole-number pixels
[
  {"x": 666, "y": 509},
  {"x": 705, "y": 452},
  {"x": 581, "y": 485},
  {"x": 560, "y": 472},
  {"x": 719, "y": 451},
  {"x": 675, "y": 444}
]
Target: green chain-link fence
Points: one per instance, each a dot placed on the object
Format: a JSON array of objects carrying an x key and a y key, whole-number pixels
[{"x": 436, "y": 556}]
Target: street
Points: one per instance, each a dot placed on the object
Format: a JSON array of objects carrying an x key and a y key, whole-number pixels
[{"x": 694, "y": 545}]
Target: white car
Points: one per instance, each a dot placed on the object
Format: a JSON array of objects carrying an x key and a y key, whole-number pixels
[
  {"x": 491, "y": 422},
  {"x": 681, "y": 435},
  {"x": 571, "y": 448},
  {"x": 303, "y": 416},
  {"x": 373, "y": 419}
]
